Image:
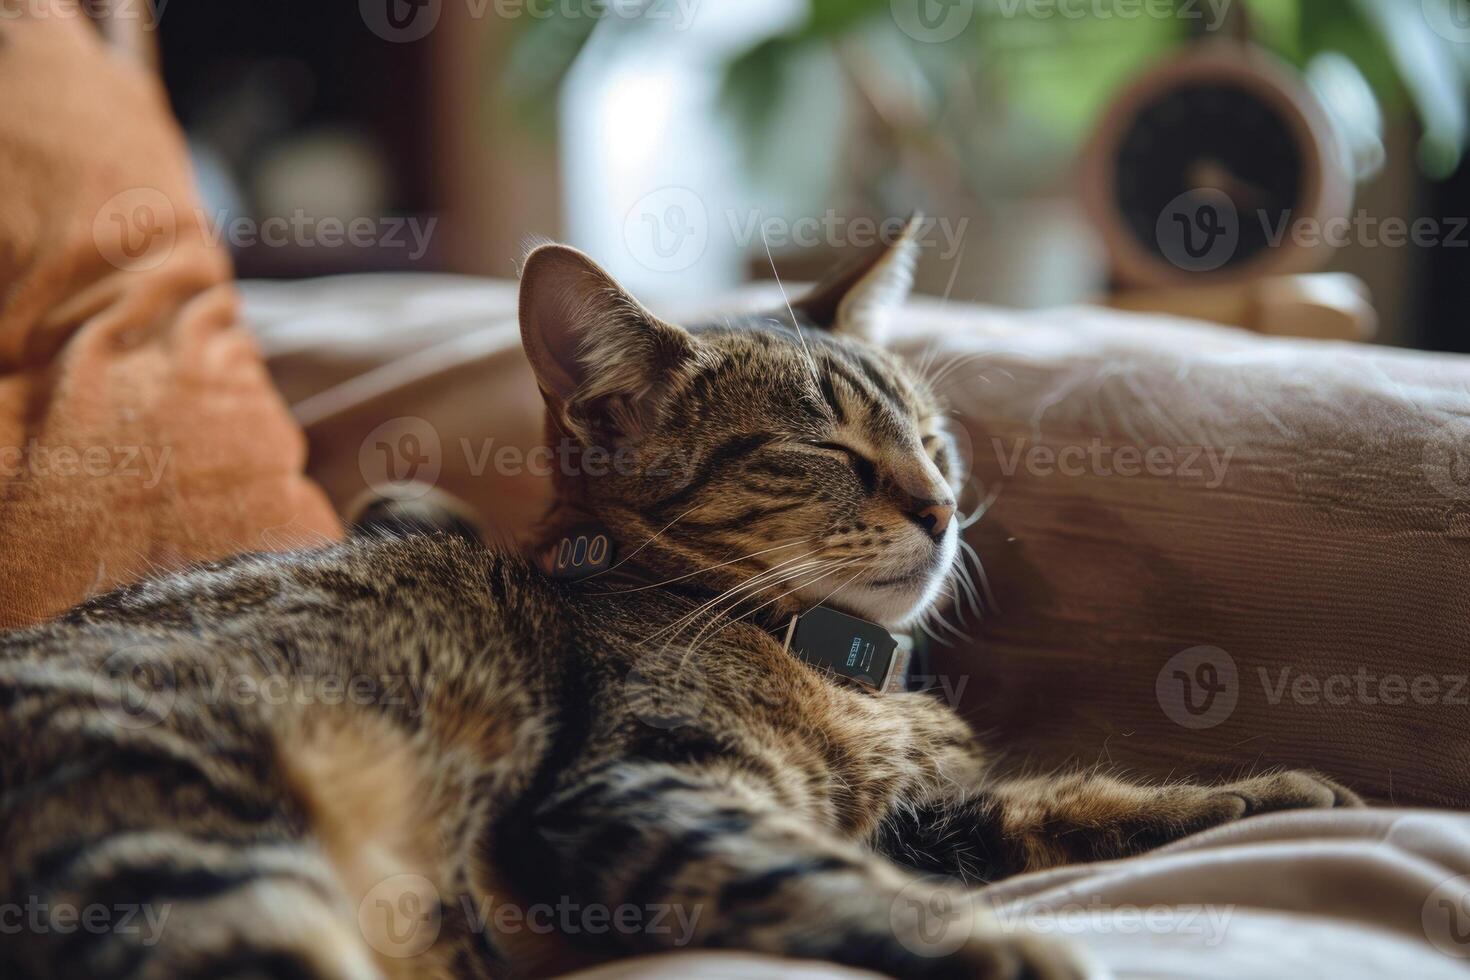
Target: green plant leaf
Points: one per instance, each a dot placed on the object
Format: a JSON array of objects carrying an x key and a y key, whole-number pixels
[{"x": 1431, "y": 74}]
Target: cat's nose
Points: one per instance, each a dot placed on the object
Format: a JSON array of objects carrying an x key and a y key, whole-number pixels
[{"x": 933, "y": 516}]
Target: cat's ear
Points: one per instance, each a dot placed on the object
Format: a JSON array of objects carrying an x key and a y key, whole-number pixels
[
  {"x": 857, "y": 300},
  {"x": 598, "y": 355}
]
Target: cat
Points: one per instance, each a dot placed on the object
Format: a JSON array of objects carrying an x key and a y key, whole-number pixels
[{"x": 412, "y": 755}]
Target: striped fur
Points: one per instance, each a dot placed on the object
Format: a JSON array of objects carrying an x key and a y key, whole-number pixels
[{"x": 405, "y": 755}]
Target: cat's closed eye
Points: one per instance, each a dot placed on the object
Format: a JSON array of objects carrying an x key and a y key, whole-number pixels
[{"x": 864, "y": 468}]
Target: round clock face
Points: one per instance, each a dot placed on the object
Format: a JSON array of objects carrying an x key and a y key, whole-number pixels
[
  {"x": 1208, "y": 175},
  {"x": 1207, "y": 168}
]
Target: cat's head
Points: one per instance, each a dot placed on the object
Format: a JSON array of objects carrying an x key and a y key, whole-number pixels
[{"x": 795, "y": 464}]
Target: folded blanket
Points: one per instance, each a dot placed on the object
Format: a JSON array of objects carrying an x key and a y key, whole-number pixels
[{"x": 138, "y": 429}]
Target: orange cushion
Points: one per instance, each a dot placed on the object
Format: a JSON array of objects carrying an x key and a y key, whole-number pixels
[{"x": 138, "y": 428}]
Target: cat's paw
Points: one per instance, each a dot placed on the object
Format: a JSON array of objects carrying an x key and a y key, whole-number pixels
[
  {"x": 949, "y": 933},
  {"x": 1007, "y": 957},
  {"x": 1294, "y": 789}
]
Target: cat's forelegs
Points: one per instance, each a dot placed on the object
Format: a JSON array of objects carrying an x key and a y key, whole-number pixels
[
  {"x": 733, "y": 870},
  {"x": 1041, "y": 822}
]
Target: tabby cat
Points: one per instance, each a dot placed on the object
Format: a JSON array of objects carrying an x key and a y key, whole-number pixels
[{"x": 411, "y": 755}]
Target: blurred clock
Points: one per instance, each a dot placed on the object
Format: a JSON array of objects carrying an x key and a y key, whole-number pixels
[{"x": 1207, "y": 168}]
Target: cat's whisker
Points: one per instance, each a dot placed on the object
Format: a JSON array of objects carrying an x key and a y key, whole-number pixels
[
  {"x": 950, "y": 629},
  {"x": 718, "y": 606},
  {"x": 932, "y": 369},
  {"x": 947, "y": 370},
  {"x": 795, "y": 325},
  {"x": 724, "y": 614},
  {"x": 940, "y": 621},
  {"x": 990, "y": 601},
  {"x": 928, "y": 356},
  {"x": 632, "y": 554},
  {"x": 949, "y": 591},
  {"x": 756, "y": 580},
  {"x": 788, "y": 575},
  {"x": 961, "y": 576},
  {"x": 845, "y": 584},
  {"x": 982, "y": 508},
  {"x": 842, "y": 564},
  {"x": 710, "y": 568}
]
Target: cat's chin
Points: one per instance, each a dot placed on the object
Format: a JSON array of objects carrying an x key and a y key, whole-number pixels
[{"x": 896, "y": 600}]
